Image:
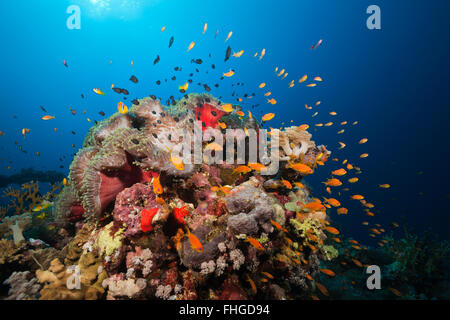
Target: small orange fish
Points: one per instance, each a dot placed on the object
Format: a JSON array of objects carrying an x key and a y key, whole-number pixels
[
  {"x": 339, "y": 172},
  {"x": 342, "y": 210},
  {"x": 385, "y": 186},
  {"x": 333, "y": 182},
  {"x": 364, "y": 155},
  {"x": 157, "y": 187},
  {"x": 396, "y": 292},
  {"x": 286, "y": 183},
  {"x": 332, "y": 230},
  {"x": 196, "y": 245},
  {"x": 242, "y": 169},
  {"x": 357, "y": 262},
  {"x": 303, "y": 127},
  {"x": 328, "y": 272},
  {"x": 254, "y": 243},
  {"x": 322, "y": 289},
  {"x": 268, "y": 116},
  {"x": 357, "y": 197},
  {"x": 240, "y": 113},
  {"x": 268, "y": 275},
  {"x": 47, "y": 117},
  {"x": 252, "y": 284},
  {"x": 191, "y": 45},
  {"x": 257, "y": 166},
  {"x": 353, "y": 180},
  {"x": 300, "y": 167}
]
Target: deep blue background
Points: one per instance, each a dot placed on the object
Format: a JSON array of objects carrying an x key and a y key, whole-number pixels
[{"x": 393, "y": 81}]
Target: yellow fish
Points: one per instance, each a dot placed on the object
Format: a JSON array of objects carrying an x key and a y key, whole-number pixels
[
  {"x": 268, "y": 116},
  {"x": 229, "y": 36},
  {"x": 303, "y": 79},
  {"x": 123, "y": 109},
  {"x": 363, "y": 140},
  {"x": 271, "y": 101},
  {"x": 262, "y": 85},
  {"x": 205, "y": 27},
  {"x": 177, "y": 162},
  {"x": 98, "y": 91},
  {"x": 229, "y": 73},
  {"x": 385, "y": 186},
  {"x": 47, "y": 117},
  {"x": 184, "y": 87},
  {"x": 267, "y": 94},
  {"x": 353, "y": 180},
  {"x": 263, "y": 52},
  {"x": 364, "y": 155},
  {"x": 318, "y": 79},
  {"x": 238, "y": 54},
  {"x": 227, "y": 107},
  {"x": 191, "y": 45},
  {"x": 311, "y": 85},
  {"x": 163, "y": 28}
]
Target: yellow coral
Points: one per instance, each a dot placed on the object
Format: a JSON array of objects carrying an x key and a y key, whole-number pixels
[{"x": 106, "y": 243}]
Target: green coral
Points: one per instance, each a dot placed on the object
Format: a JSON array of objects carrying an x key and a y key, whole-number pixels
[
  {"x": 308, "y": 225},
  {"x": 107, "y": 243},
  {"x": 330, "y": 252}
]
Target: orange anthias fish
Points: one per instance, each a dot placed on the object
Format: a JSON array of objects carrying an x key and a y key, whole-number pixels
[
  {"x": 252, "y": 284},
  {"x": 286, "y": 183},
  {"x": 396, "y": 292},
  {"x": 255, "y": 243},
  {"x": 157, "y": 187},
  {"x": 196, "y": 245},
  {"x": 278, "y": 226},
  {"x": 322, "y": 289},
  {"x": 332, "y": 230},
  {"x": 268, "y": 116},
  {"x": 339, "y": 172},
  {"x": 357, "y": 197},
  {"x": 47, "y": 117},
  {"x": 268, "y": 275},
  {"x": 328, "y": 272},
  {"x": 333, "y": 182},
  {"x": 314, "y": 206},
  {"x": 242, "y": 169},
  {"x": 342, "y": 210},
  {"x": 257, "y": 166},
  {"x": 333, "y": 202},
  {"x": 98, "y": 91},
  {"x": 300, "y": 167}
]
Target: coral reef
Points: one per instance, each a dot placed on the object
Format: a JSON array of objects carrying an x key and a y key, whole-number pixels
[{"x": 137, "y": 220}]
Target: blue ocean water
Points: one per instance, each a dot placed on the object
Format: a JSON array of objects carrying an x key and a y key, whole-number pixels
[{"x": 392, "y": 81}]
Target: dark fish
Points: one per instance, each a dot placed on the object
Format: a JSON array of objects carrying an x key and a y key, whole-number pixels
[
  {"x": 207, "y": 88},
  {"x": 158, "y": 82},
  {"x": 74, "y": 112},
  {"x": 73, "y": 132},
  {"x": 174, "y": 78},
  {"x": 95, "y": 121},
  {"x": 213, "y": 66},
  {"x": 156, "y": 60},
  {"x": 82, "y": 96},
  {"x": 125, "y": 92},
  {"x": 135, "y": 101},
  {"x": 176, "y": 68},
  {"x": 153, "y": 97},
  {"x": 216, "y": 85},
  {"x": 228, "y": 53},
  {"x": 101, "y": 113},
  {"x": 43, "y": 109},
  {"x": 171, "y": 41},
  {"x": 197, "y": 61},
  {"x": 134, "y": 79},
  {"x": 117, "y": 90}
]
